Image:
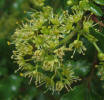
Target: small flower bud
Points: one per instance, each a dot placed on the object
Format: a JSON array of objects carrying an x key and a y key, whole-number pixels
[{"x": 101, "y": 56}]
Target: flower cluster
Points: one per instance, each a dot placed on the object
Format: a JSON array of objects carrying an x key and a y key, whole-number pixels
[
  {"x": 78, "y": 46},
  {"x": 42, "y": 41},
  {"x": 39, "y": 53}
]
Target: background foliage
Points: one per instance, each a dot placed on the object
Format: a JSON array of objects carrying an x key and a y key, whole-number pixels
[{"x": 14, "y": 87}]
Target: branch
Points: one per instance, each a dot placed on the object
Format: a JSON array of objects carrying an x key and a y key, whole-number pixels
[{"x": 94, "y": 18}]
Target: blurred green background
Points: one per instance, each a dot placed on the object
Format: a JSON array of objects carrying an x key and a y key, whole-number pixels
[{"x": 12, "y": 85}]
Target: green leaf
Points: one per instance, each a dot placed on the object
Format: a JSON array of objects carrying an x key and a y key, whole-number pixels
[
  {"x": 30, "y": 93},
  {"x": 100, "y": 2},
  {"x": 96, "y": 10},
  {"x": 100, "y": 36},
  {"x": 3, "y": 71},
  {"x": 78, "y": 93},
  {"x": 9, "y": 87},
  {"x": 81, "y": 67},
  {"x": 82, "y": 92},
  {"x": 2, "y": 2}
]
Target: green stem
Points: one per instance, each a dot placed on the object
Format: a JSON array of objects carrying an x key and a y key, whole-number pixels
[
  {"x": 78, "y": 36},
  {"x": 96, "y": 46},
  {"x": 100, "y": 34},
  {"x": 67, "y": 38}
]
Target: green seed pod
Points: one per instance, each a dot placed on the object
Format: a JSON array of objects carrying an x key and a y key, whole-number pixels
[
  {"x": 70, "y": 2},
  {"x": 101, "y": 56}
]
